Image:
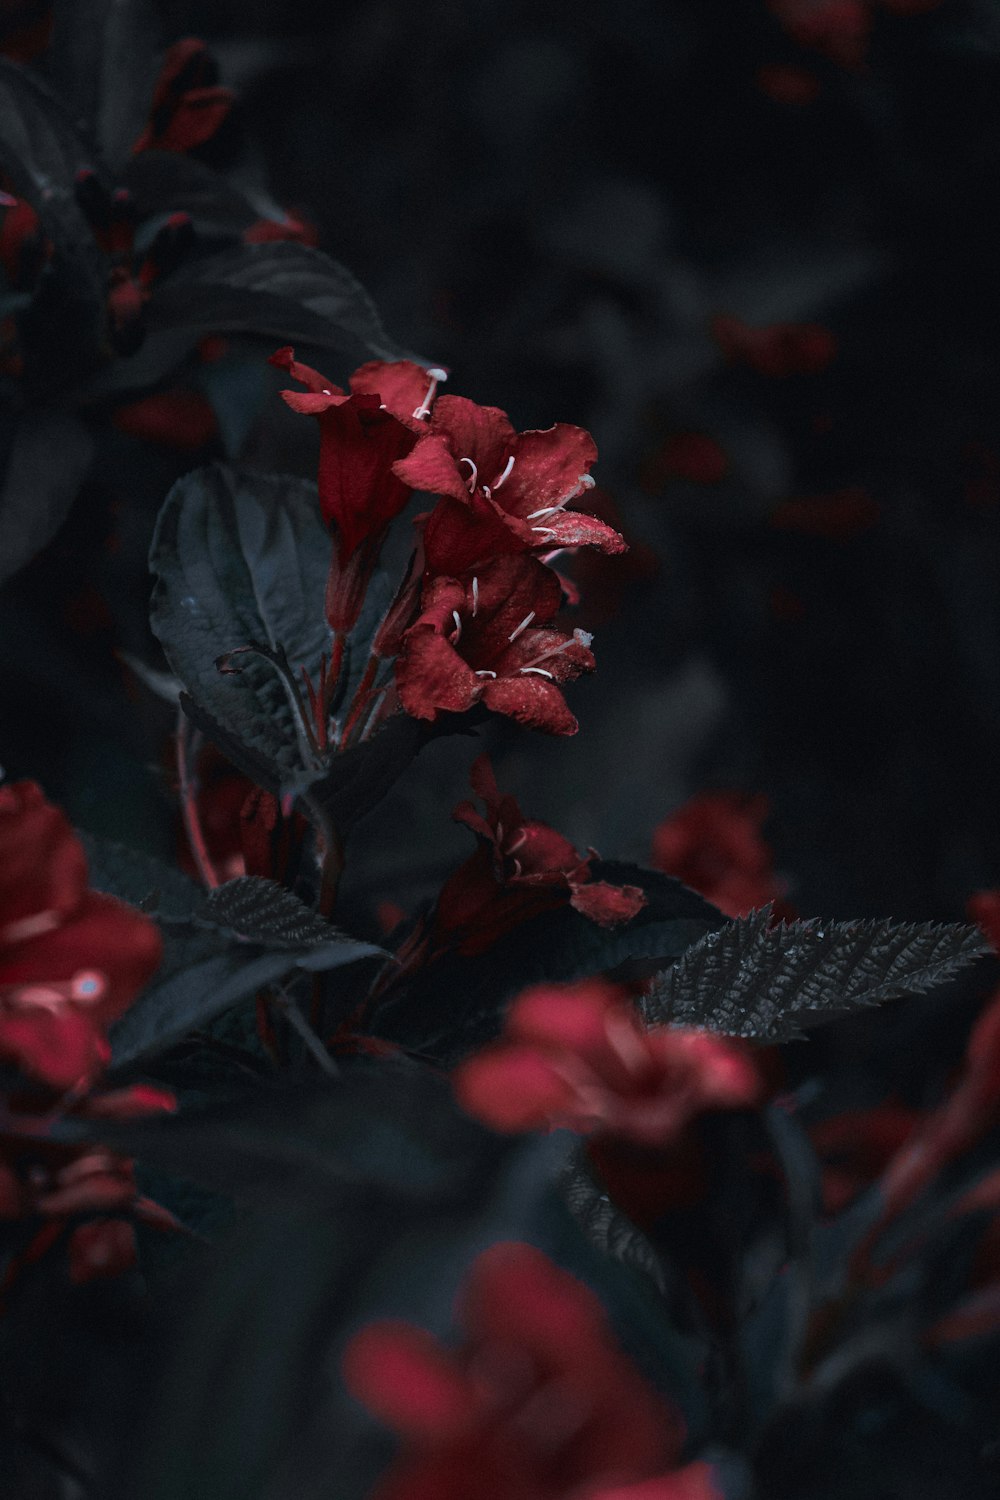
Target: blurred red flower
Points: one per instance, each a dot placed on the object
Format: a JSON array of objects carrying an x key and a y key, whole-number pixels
[
  {"x": 713, "y": 843},
  {"x": 578, "y": 1056},
  {"x": 536, "y": 1403},
  {"x": 71, "y": 960}
]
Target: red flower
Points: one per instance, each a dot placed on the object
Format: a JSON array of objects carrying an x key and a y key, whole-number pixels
[
  {"x": 489, "y": 639},
  {"x": 71, "y": 961},
  {"x": 778, "y": 349},
  {"x": 837, "y": 28},
  {"x": 521, "y": 868},
  {"x": 713, "y": 844},
  {"x": 362, "y": 434},
  {"x": 188, "y": 106},
  {"x": 537, "y": 1402},
  {"x": 514, "y": 485},
  {"x": 578, "y": 1056}
]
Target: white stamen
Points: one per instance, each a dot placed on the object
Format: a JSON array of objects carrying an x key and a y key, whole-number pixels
[
  {"x": 510, "y": 464},
  {"x": 523, "y": 626},
  {"x": 583, "y": 637},
  {"x": 517, "y": 867},
  {"x": 473, "y": 480},
  {"x": 424, "y": 409},
  {"x": 326, "y": 392},
  {"x": 485, "y": 672},
  {"x": 547, "y": 510},
  {"x": 475, "y": 597},
  {"x": 587, "y": 481},
  {"x": 517, "y": 841},
  {"x": 487, "y": 492},
  {"x": 538, "y": 671},
  {"x": 458, "y": 624},
  {"x": 543, "y": 530}
]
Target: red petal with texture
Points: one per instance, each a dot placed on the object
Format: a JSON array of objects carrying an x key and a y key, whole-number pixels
[
  {"x": 607, "y": 905},
  {"x": 460, "y": 536},
  {"x": 313, "y": 380},
  {"x": 400, "y": 385},
  {"x": 572, "y": 528},
  {"x": 432, "y": 469},
  {"x": 549, "y": 467},
  {"x": 403, "y": 1376},
  {"x": 431, "y": 677},
  {"x": 531, "y": 701},
  {"x": 482, "y": 433}
]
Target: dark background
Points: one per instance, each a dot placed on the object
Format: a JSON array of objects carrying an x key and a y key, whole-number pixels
[{"x": 554, "y": 200}]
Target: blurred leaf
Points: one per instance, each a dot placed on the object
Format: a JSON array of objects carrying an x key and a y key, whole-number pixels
[
  {"x": 750, "y": 979},
  {"x": 165, "y": 182},
  {"x": 283, "y": 291},
  {"x": 41, "y": 154},
  {"x": 50, "y": 454},
  {"x": 102, "y": 59},
  {"x": 456, "y": 1003}
]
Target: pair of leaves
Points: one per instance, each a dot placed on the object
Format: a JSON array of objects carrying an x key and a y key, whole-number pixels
[
  {"x": 750, "y": 979},
  {"x": 241, "y": 558},
  {"x": 218, "y": 949}
]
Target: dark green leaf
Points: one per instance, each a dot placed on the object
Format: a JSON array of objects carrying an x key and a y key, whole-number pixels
[
  {"x": 240, "y": 558},
  {"x": 102, "y": 59},
  {"x": 608, "y": 1229},
  {"x": 287, "y": 292},
  {"x": 163, "y": 182},
  {"x": 254, "y": 910},
  {"x": 456, "y": 1003},
  {"x": 41, "y": 154},
  {"x": 50, "y": 454},
  {"x": 750, "y": 979},
  {"x": 141, "y": 879}
]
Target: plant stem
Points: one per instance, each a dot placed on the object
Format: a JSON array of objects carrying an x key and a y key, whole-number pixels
[{"x": 188, "y": 787}]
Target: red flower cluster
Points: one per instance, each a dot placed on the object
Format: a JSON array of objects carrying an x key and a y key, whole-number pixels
[
  {"x": 474, "y": 622},
  {"x": 521, "y": 868},
  {"x": 578, "y": 1056},
  {"x": 713, "y": 843},
  {"x": 71, "y": 961},
  {"x": 537, "y": 1403}
]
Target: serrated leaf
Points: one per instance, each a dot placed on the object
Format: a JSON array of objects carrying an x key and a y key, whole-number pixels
[
  {"x": 770, "y": 983},
  {"x": 605, "y": 1226},
  {"x": 254, "y": 910},
  {"x": 219, "y": 947},
  {"x": 456, "y": 1003},
  {"x": 288, "y": 292}
]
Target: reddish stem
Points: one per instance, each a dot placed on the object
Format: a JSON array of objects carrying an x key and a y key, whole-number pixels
[
  {"x": 360, "y": 699},
  {"x": 188, "y": 788}
]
